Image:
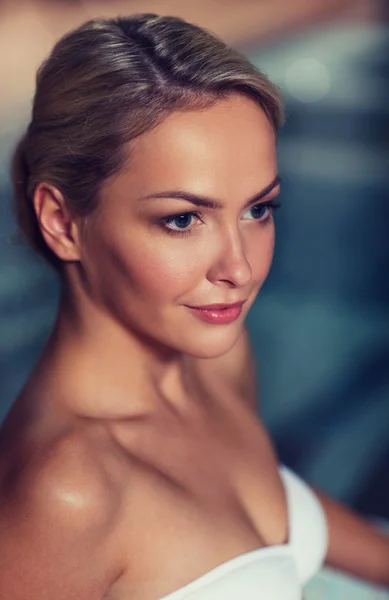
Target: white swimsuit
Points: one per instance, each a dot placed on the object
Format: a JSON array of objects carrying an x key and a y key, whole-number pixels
[{"x": 275, "y": 572}]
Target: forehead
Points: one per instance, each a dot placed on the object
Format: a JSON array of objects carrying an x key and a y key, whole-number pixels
[{"x": 224, "y": 149}]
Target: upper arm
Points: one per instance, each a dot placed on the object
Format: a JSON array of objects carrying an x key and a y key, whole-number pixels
[
  {"x": 355, "y": 545},
  {"x": 54, "y": 526}
]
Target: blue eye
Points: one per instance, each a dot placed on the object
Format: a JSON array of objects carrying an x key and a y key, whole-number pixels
[
  {"x": 180, "y": 224},
  {"x": 259, "y": 211},
  {"x": 262, "y": 211},
  {"x": 181, "y": 221}
]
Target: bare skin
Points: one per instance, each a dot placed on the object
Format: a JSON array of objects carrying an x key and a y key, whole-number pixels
[
  {"x": 123, "y": 494},
  {"x": 133, "y": 462}
]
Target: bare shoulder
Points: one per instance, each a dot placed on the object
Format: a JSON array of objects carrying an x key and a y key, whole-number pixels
[
  {"x": 66, "y": 474},
  {"x": 57, "y": 507}
]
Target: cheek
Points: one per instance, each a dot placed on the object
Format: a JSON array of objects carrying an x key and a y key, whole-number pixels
[
  {"x": 161, "y": 269},
  {"x": 260, "y": 249}
]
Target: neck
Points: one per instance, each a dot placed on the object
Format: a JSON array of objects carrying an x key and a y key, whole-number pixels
[{"x": 101, "y": 369}]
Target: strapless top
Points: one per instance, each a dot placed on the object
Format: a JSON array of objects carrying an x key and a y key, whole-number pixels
[{"x": 275, "y": 572}]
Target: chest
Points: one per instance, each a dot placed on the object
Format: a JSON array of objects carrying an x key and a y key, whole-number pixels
[{"x": 203, "y": 489}]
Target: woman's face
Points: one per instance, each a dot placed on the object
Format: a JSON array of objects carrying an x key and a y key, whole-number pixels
[{"x": 151, "y": 257}]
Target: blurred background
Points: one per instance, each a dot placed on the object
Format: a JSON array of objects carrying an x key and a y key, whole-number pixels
[{"x": 320, "y": 327}]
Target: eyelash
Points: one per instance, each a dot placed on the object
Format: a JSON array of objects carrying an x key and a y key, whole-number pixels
[{"x": 271, "y": 205}]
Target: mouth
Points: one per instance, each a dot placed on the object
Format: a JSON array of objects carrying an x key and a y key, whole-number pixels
[
  {"x": 218, "y": 306},
  {"x": 218, "y": 313}
]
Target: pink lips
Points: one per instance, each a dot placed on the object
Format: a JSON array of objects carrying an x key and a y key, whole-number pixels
[{"x": 218, "y": 313}]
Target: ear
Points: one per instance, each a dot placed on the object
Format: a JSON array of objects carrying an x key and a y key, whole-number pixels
[{"x": 57, "y": 225}]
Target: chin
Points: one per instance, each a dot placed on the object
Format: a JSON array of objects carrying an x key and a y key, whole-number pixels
[{"x": 214, "y": 343}]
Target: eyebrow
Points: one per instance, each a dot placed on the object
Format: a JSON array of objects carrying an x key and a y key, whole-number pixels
[{"x": 207, "y": 202}]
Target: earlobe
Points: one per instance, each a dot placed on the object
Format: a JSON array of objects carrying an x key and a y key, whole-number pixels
[{"x": 56, "y": 223}]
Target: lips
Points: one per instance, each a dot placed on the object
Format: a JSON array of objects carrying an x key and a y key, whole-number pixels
[
  {"x": 218, "y": 306},
  {"x": 217, "y": 313}
]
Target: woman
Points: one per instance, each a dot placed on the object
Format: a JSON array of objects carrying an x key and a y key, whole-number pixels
[{"x": 133, "y": 465}]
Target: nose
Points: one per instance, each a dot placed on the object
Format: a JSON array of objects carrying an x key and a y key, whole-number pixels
[{"x": 231, "y": 265}]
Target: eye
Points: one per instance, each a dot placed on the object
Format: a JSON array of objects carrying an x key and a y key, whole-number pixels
[
  {"x": 182, "y": 223},
  {"x": 262, "y": 211}
]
